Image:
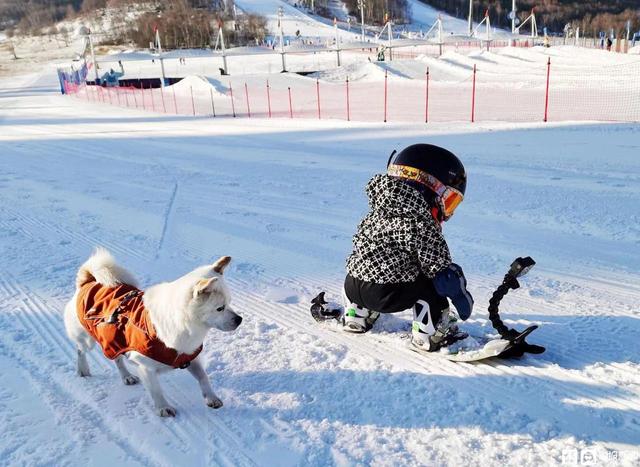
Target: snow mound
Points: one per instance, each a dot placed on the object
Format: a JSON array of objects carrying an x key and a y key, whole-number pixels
[
  {"x": 635, "y": 50},
  {"x": 200, "y": 85},
  {"x": 365, "y": 72}
]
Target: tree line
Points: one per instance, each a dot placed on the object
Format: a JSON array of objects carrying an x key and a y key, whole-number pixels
[
  {"x": 181, "y": 23},
  {"x": 379, "y": 11},
  {"x": 592, "y": 16}
]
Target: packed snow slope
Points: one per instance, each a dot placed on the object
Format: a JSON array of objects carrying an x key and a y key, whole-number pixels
[{"x": 167, "y": 193}]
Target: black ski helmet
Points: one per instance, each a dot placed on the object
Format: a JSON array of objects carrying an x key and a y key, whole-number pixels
[{"x": 431, "y": 169}]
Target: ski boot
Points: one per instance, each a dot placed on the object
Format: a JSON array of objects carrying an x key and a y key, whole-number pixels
[
  {"x": 358, "y": 319},
  {"x": 429, "y": 337}
]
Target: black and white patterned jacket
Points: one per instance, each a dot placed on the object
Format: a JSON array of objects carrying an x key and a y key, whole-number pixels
[{"x": 398, "y": 238}]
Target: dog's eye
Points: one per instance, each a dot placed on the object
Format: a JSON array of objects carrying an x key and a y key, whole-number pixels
[{"x": 220, "y": 308}]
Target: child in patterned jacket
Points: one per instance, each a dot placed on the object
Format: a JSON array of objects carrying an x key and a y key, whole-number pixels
[{"x": 400, "y": 259}]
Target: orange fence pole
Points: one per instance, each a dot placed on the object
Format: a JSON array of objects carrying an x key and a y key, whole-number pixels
[
  {"x": 546, "y": 96},
  {"x": 473, "y": 96}
]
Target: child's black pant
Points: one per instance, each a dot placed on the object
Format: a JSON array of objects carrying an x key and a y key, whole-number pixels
[{"x": 392, "y": 298}]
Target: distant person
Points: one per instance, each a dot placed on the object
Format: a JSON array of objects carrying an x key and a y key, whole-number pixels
[{"x": 609, "y": 44}]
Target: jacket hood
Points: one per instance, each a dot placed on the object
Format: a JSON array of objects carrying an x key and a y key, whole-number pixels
[{"x": 394, "y": 197}]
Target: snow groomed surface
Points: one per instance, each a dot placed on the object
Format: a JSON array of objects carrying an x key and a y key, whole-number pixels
[{"x": 165, "y": 193}]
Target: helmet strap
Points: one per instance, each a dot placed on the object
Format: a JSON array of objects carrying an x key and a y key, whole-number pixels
[{"x": 393, "y": 153}]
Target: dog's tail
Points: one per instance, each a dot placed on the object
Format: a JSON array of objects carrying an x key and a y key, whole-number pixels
[{"x": 101, "y": 267}]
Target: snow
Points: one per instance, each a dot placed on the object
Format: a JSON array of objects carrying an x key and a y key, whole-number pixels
[
  {"x": 294, "y": 19},
  {"x": 199, "y": 84},
  {"x": 284, "y": 201},
  {"x": 424, "y": 16},
  {"x": 166, "y": 193}
]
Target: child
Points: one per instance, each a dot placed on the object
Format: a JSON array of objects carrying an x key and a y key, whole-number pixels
[{"x": 400, "y": 259}]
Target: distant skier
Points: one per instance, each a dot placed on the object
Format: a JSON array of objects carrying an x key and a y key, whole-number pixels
[{"x": 400, "y": 259}]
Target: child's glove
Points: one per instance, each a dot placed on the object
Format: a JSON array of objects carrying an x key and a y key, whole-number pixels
[{"x": 451, "y": 283}]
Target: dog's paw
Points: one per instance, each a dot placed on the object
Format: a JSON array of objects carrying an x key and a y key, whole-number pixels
[
  {"x": 167, "y": 412},
  {"x": 213, "y": 402},
  {"x": 130, "y": 380}
]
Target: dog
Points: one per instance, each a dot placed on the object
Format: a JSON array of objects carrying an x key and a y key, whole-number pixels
[{"x": 156, "y": 330}]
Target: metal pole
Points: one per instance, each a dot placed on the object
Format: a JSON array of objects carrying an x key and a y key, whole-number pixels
[
  {"x": 213, "y": 107},
  {"x": 280, "y": 16},
  {"x": 513, "y": 19},
  {"x": 290, "y": 105},
  {"x": 470, "y": 17},
  {"x": 160, "y": 57},
  {"x": 440, "y": 35},
  {"x": 361, "y": 5},
  {"x": 488, "y": 29},
  {"x": 335, "y": 25},
  {"x": 93, "y": 58},
  {"x": 224, "y": 50},
  {"x": 390, "y": 36}
]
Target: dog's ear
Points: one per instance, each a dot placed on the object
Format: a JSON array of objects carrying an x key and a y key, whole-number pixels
[
  {"x": 204, "y": 286},
  {"x": 220, "y": 265}
]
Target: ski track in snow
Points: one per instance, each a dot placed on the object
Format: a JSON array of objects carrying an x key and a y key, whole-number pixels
[{"x": 284, "y": 202}]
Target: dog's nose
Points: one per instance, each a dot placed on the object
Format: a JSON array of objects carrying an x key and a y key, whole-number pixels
[{"x": 237, "y": 320}]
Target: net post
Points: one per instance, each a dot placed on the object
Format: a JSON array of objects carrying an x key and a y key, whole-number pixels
[{"x": 546, "y": 94}]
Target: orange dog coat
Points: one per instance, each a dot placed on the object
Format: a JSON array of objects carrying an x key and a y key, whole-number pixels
[{"x": 129, "y": 328}]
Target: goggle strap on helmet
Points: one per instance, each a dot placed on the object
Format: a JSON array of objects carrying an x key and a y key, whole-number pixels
[
  {"x": 411, "y": 173},
  {"x": 448, "y": 198}
]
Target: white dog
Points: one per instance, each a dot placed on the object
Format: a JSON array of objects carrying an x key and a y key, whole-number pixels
[{"x": 176, "y": 317}]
